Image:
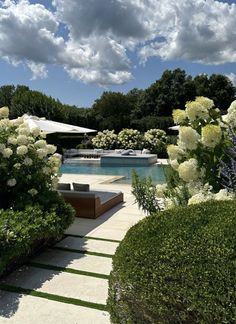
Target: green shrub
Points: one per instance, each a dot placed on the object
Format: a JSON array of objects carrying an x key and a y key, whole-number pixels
[
  {"x": 21, "y": 231},
  {"x": 144, "y": 192},
  {"x": 177, "y": 266}
]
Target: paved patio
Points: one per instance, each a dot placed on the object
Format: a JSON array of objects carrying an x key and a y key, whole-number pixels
[{"x": 68, "y": 283}]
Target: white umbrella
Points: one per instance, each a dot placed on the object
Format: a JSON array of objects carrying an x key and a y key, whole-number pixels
[
  {"x": 174, "y": 127},
  {"x": 50, "y": 126}
]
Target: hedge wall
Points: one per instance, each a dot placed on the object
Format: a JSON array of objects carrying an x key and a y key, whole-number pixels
[{"x": 178, "y": 266}]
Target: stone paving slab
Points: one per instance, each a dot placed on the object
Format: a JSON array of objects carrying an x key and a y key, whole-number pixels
[
  {"x": 80, "y": 229},
  {"x": 23, "y": 309},
  {"x": 77, "y": 261},
  {"x": 108, "y": 233},
  {"x": 60, "y": 283},
  {"x": 84, "y": 244}
]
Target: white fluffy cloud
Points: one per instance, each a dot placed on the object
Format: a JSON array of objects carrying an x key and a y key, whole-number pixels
[{"x": 91, "y": 39}]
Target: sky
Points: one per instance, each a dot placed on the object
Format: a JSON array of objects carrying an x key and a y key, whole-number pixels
[{"x": 74, "y": 50}]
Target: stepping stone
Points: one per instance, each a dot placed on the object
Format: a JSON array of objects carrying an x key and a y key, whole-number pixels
[
  {"x": 108, "y": 233},
  {"x": 60, "y": 283},
  {"x": 77, "y": 261},
  {"x": 80, "y": 228},
  {"x": 85, "y": 244},
  {"x": 23, "y": 309}
]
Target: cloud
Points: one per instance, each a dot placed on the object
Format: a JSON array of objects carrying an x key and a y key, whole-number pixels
[
  {"x": 201, "y": 32},
  {"x": 232, "y": 77},
  {"x": 39, "y": 70},
  {"x": 27, "y": 34},
  {"x": 91, "y": 39}
]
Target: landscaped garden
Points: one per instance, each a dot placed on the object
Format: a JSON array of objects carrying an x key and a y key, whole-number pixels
[
  {"x": 178, "y": 265},
  {"x": 31, "y": 211},
  {"x": 175, "y": 266}
]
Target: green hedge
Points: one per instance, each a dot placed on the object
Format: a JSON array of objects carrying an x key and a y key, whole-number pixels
[
  {"x": 178, "y": 266},
  {"x": 22, "y": 231}
]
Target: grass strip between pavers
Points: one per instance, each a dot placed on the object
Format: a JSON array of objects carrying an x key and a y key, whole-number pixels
[
  {"x": 61, "y": 299},
  {"x": 69, "y": 270},
  {"x": 93, "y": 238},
  {"x": 105, "y": 255}
]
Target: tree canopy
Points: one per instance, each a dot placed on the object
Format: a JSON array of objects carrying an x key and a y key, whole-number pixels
[{"x": 140, "y": 109}]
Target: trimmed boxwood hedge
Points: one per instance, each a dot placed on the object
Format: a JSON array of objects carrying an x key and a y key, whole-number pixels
[
  {"x": 178, "y": 266},
  {"x": 23, "y": 231}
]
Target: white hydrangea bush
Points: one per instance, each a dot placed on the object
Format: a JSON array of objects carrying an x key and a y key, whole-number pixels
[
  {"x": 28, "y": 165},
  {"x": 155, "y": 140},
  {"x": 129, "y": 138},
  {"x": 197, "y": 158},
  {"x": 105, "y": 140}
]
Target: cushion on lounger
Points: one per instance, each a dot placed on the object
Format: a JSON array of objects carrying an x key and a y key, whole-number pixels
[
  {"x": 63, "y": 186},
  {"x": 80, "y": 186},
  {"x": 128, "y": 152}
]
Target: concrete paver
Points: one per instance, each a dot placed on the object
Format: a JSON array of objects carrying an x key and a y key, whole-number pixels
[
  {"x": 60, "y": 283},
  {"x": 77, "y": 261},
  {"x": 88, "y": 245},
  {"x": 22, "y": 309}
]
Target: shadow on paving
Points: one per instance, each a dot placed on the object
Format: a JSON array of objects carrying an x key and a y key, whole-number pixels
[{"x": 33, "y": 279}]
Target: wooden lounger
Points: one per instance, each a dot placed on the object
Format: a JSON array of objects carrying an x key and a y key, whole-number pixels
[{"x": 93, "y": 203}]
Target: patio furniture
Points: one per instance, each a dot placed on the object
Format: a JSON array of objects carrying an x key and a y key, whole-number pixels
[{"x": 92, "y": 204}]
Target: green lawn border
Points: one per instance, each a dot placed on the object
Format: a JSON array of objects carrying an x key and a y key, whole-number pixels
[
  {"x": 93, "y": 238},
  {"x": 105, "y": 255},
  {"x": 68, "y": 270},
  {"x": 61, "y": 299}
]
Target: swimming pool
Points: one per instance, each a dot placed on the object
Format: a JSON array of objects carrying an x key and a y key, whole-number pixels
[{"x": 154, "y": 171}]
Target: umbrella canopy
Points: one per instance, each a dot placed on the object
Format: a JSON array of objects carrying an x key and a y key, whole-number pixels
[
  {"x": 174, "y": 127},
  {"x": 50, "y": 126}
]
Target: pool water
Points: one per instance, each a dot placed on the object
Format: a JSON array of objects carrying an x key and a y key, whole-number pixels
[{"x": 154, "y": 171}]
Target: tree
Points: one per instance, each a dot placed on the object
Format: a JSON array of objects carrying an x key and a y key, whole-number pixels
[
  {"x": 6, "y": 95},
  {"x": 174, "y": 89},
  {"x": 222, "y": 91},
  {"x": 170, "y": 92},
  {"x": 112, "y": 111},
  {"x": 218, "y": 87}
]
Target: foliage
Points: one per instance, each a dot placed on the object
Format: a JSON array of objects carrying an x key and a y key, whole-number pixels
[
  {"x": 28, "y": 166},
  {"x": 112, "y": 111},
  {"x": 173, "y": 88},
  {"x": 145, "y": 193},
  {"x": 139, "y": 109},
  {"x": 155, "y": 140},
  {"x": 130, "y": 139},
  {"x": 106, "y": 140},
  {"x": 228, "y": 170},
  {"x": 217, "y": 87},
  {"x": 20, "y": 231},
  {"x": 177, "y": 266},
  {"x": 197, "y": 158}
]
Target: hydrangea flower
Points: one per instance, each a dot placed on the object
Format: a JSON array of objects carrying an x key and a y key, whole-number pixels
[
  {"x": 11, "y": 182},
  {"x": 4, "y": 112},
  {"x": 188, "y": 170},
  {"x": 22, "y": 140},
  {"x": 195, "y": 110},
  {"x": 22, "y": 150},
  {"x": 174, "y": 152},
  {"x": 188, "y": 138},
  {"x": 211, "y": 135},
  {"x": 105, "y": 140},
  {"x": 230, "y": 118},
  {"x": 179, "y": 116},
  {"x": 223, "y": 194},
  {"x": 7, "y": 152},
  {"x": 199, "y": 198}
]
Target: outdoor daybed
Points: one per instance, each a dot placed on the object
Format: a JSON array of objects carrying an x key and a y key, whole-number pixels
[{"x": 91, "y": 204}]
